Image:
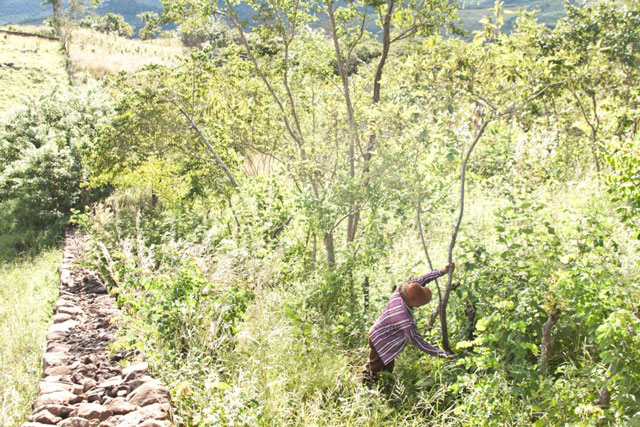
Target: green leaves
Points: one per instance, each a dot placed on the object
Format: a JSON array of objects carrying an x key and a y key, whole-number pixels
[{"x": 44, "y": 150}]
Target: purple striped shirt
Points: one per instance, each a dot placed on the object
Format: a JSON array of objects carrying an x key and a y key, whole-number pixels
[{"x": 395, "y": 326}]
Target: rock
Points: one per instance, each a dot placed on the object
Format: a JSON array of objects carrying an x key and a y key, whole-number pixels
[
  {"x": 106, "y": 299},
  {"x": 55, "y": 335},
  {"x": 149, "y": 393},
  {"x": 58, "y": 370},
  {"x": 61, "y": 317},
  {"x": 46, "y": 387},
  {"x": 137, "y": 369},
  {"x": 36, "y": 425},
  {"x": 57, "y": 348},
  {"x": 75, "y": 422},
  {"x": 88, "y": 384},
  {"x": 157, "y": 423},
  {"x": 50, "y": 360},
  {"x": 61, "y": 411},
  {"x": 151, "y": 412},
  {"x": 66, "y": 278},
  {"x": 111, "y": 382},
  {"x": 95, "y": 395},
  {"x": 119, "y": 406},
  {"x": 93, "y": 411},
  {"x": 57, "y": 398},
  {"x": 79, "y": 368},
  {"x": 70, "y": 309},
  {"x": 64, "y": 326},
  {"x": 134, "y": 384},
  {"x": 62, "y": 303},
  {"x": 45, "y": 417},
  {"x": 111, "y": 422}
]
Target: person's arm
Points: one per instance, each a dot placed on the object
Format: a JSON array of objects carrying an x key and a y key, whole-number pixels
[
  {"x": 423, "y": 280},
  {"x": 419, "y": 342}
]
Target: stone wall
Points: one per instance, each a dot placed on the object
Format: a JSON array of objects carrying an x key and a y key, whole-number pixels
[{"x": 84, "y": 383}]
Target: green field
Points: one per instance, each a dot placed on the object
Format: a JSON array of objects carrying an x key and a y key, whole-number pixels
[{"x": 29, "y": 66}]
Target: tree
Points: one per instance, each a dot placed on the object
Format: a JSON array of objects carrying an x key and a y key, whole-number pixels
[
  {"x": 114, "y": 23},
  {"x": 460, "y": 91},
  {"x": 151, "y": 25},
  {"x": 193, "y": 117},
  {"x": 349, "y": 188}
]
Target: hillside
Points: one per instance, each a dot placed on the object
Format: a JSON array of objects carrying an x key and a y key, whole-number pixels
[
  {"x": 32, "y": 11},
  {"x": 442, "y": 231},
  {"x": 28, "y": 66}
]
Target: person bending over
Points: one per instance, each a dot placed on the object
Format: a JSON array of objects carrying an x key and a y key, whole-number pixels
[{"x": 395, "y": 326}]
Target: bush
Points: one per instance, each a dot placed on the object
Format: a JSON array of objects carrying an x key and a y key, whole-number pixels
[
  {"x": 43, "y": 147},
  {"x": 197, "y": 33},
  {"x": 109, "y": 23}
]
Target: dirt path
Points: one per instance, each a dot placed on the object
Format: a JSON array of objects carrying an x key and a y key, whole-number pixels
[{"x": 84, "y": 384}]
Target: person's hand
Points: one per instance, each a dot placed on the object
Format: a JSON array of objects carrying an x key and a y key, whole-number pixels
[{"x": 449, "y": 268}]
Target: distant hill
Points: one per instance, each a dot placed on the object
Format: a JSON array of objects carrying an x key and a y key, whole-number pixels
[
  {"x": 549, "y": 12},
  {"x": 32, "y": 12}
]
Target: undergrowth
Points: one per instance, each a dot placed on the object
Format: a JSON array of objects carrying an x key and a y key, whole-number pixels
[{"x": 246, "y": 331}]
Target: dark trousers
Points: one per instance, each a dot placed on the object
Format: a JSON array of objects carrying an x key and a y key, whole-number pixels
[{"x": 374, "y": 366}]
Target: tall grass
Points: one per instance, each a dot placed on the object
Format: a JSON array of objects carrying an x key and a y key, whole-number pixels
[
  {"x": 28, "y": 289},
  {"x": 99, "y": 54}
]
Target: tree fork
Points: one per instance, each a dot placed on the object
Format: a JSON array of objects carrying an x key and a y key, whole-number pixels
[{"x": 354, "y": 218}]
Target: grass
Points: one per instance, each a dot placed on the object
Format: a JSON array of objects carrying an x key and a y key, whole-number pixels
[
  {"x": 99, "y": 54},
  {"x": 38, "y": 66},
  {"x": 28, "y": 289}
]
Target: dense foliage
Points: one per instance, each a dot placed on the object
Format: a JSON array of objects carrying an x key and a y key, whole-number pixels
[
  {"x": 44, "y": 172},
  {"x": 271, "y": 189}
]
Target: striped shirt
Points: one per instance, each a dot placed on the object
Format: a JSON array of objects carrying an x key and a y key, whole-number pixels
[{"x": 395, "y": 326}]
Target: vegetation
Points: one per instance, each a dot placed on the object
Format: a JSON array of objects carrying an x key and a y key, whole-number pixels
[
  {"x": 36, "y": 67},
  {"x": 111, "y": 23},
  {"x": 96, "y": 55},
  {"x": 34, "y": 11},
  {"x": 28, "y": 289},
  {"x": 252, "y": 204}
]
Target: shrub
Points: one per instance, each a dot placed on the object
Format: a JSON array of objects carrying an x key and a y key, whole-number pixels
[{"x": 43, "y": 149}]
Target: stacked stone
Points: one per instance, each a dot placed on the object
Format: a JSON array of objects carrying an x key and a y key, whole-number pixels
[{"x": 84, "y": 384}]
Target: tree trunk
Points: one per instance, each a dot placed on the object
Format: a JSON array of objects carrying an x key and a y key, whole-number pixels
[
  {"x": 56, "y": 5},
  {"x": 314, "y": 251},
  {"x": 207, "y": 144},
  {"x": 354, "y": 218},
  {"x": 604, "y": 398},
  {"x": 331, "y": 253},
  {"x": 470, "y": 329},
  {"x": 454, "y": 235},
  {"x": 546, "y": 347}
]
